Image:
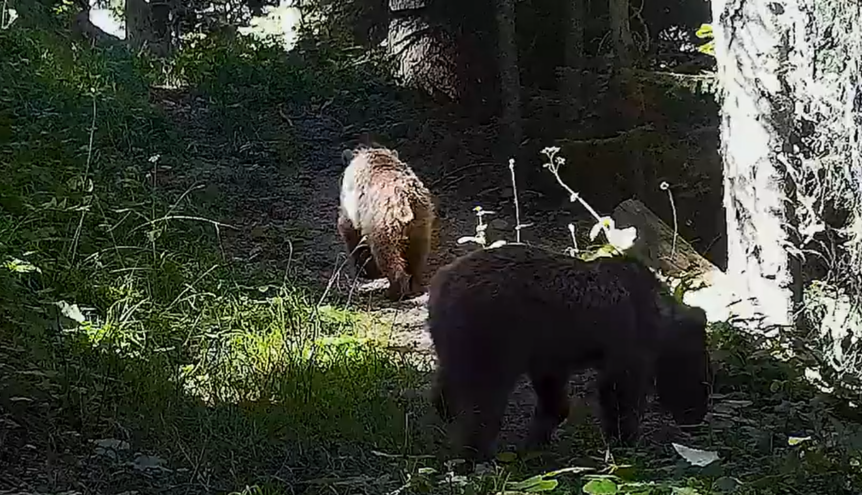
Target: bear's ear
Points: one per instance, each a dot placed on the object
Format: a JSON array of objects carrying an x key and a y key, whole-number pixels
[{"x": 347, "y": 156}]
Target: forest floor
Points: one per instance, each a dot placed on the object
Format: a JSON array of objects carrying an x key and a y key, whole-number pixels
[
  {"x": 175, "y": 317},
  {"x": 283, "y": 209}
]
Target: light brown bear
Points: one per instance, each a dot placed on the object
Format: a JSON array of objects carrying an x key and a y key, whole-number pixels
[{"x": 383, "y": 201}]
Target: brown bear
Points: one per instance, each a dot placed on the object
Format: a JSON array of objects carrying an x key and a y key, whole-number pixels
[
  {"x": 496, "y": 314},
  {"x": 383, "y": 201}
]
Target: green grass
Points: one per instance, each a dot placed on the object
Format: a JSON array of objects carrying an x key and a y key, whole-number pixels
[{"x": 134, "y": 357}]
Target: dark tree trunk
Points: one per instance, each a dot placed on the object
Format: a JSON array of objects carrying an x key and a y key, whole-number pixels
[
  {"x": 629, "y": 91},
  {"x": 510, "y": 81},
  {"x": 574, "y": 59},
  {"x": 621, "y": 32},
  {"x": 148, "y": 25},
  {"x": 427, "y": 55}
]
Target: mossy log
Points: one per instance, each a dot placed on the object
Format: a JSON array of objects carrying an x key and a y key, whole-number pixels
[
  {"x": 711, "y": 289},
  {"x": 655, "y": 244}
]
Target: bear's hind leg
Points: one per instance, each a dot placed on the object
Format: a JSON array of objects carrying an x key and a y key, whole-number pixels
[
  {"x": 357, "y": 250},
  {"x": 387, "y": 252},
  {"x": 417, "y": 257}
]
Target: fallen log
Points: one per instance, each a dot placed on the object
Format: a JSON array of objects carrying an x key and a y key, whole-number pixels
[
  {"x": 673, "y": 257},
  {"x": 657, "y": 246}
]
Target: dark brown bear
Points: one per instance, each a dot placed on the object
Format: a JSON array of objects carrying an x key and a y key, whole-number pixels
[
  {"x": 383, "y": 201},
  {"x": 496, "y": 314}
]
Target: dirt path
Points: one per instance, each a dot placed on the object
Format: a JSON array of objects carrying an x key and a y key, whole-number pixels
[{"x": 281, "y": 183}]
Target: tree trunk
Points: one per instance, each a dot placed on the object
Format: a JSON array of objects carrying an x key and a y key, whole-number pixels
[
  {"x": 510, "y": 80},
  {"x": 752, "y": 42},
  {"x": 427, "y": 56},
  {"x": 621, "y": 32},
  {"x": 574, "y": 58},
  {"x": 148, "y": 25},
  {"x": 137, "y": 29},
  {"x": 630, "y": 93}
]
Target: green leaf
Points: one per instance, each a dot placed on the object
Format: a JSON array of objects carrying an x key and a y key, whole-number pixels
[
  {"x": 797, "y": 440},
  {"x": 600, "y": 487},
  {"x": 704, "y": 31},
  {"x": 707, "y": 48},
  {"x": 21, "y": 266},
  {"x": 535, "y": 484},
  {"x": 696, "y": 457}
]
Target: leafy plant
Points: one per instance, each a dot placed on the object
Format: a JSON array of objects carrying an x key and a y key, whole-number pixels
[{"x": 705, "y": 33}]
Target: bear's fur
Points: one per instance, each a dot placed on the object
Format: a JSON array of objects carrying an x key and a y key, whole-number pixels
[
  {"x": 496, "y": 314},
  {"x": 384, "y": 201}
]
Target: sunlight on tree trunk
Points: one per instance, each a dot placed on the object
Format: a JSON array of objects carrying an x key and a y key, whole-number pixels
[
  {"x": 751, "y": 44},
  {"x": 510, "y": 80}
]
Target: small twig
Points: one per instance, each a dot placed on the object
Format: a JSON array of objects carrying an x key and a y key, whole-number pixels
[
  {"x": 289, "y": 261},
  {"x": 664, "y": 186},
  {"x": 183, "y": 217},
  {"x": 573, "y": 196},
  {"x": 335, "y": 274},
  {"x": 574, "y": 239},
  {"x": 518, "y": 224}
]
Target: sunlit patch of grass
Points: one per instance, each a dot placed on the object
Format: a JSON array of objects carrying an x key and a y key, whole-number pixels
[{"x": 119, "y": 318}]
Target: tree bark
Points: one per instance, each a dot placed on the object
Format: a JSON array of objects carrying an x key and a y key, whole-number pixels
[
  {"x": 427, "y": 55},
  {"x": 752, "y": 41},
  {"x": 574, "y": 57},
  {"x": 621, "y": 31},
  {"x": 658, "y": 247},
  {"x": 630, "y": 92},
  {"x": 510, "y": 80},
  {"x": 148, "y": 25}
]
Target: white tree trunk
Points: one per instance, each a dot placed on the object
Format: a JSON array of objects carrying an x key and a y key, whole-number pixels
[
  {"x": 510, "y": 80},
  {"x": 752, "y": 43}
]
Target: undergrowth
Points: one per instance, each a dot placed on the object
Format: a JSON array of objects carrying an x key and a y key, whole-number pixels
[{"x": 134, "y": 356}]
